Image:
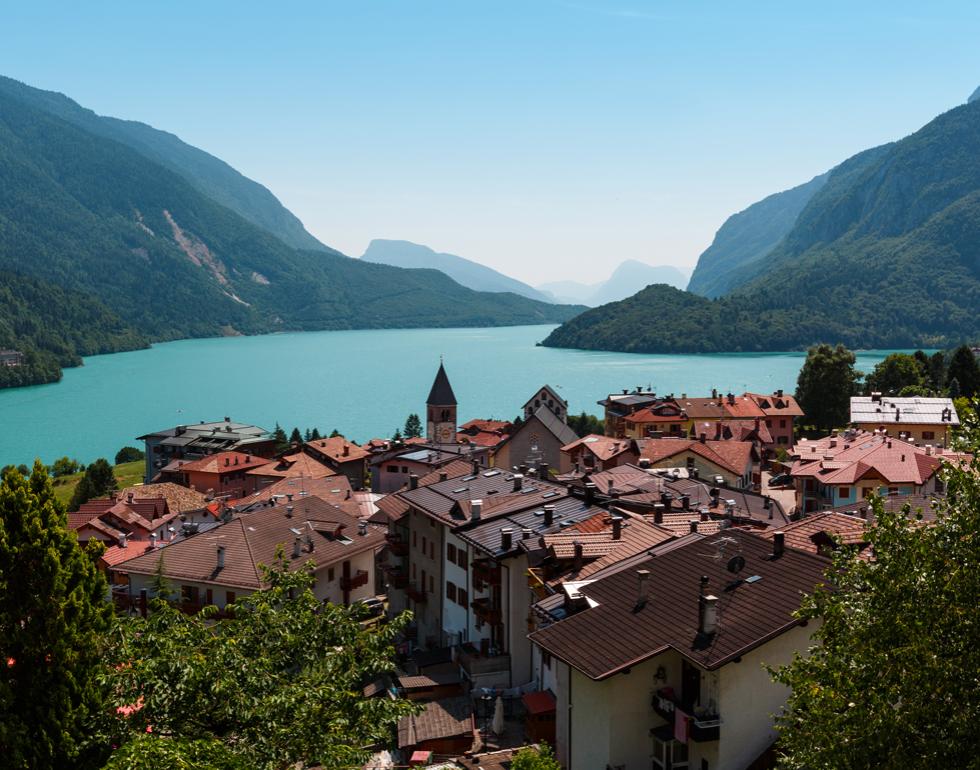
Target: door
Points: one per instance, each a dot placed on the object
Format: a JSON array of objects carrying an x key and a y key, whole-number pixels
[{"x": 690, "y": 686}]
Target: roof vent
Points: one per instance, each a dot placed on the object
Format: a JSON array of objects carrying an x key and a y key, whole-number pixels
[
  {"x": 518, "y": 482},
  {"x": 778, "y": 544},
  {"x": 709, "y": 615},
  {"x": 506, "y": 538},
  {"x": 476, "y": 508},
  {"x": 549, "y": 515},
  {"x": 643, "y": 589}
]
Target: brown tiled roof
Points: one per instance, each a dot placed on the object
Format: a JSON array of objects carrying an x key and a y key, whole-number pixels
[
  {"x": 445, "y": 718},
  {"x": 750, "y": 613},
  {"x": 894, "y": 460},
  {"x": 252, "y": 540},
  {"x": 334, "y": 489},
  {"x": 430, "y": 679},
  {"x": 179, "y": 498},
  {"x": 223, "y": 462},
  {"x": 734, "y": 456},
  {"x": 777, "y": 405},
  {"x": 335, "y": 447},
  {"x": 293, "y": 466},
  {"x": 813, "y": 533},
  {"x": 603, "y": 447}
]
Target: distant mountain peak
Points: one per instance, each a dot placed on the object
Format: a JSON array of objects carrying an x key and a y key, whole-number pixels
[{"x": 974, "y": 96}]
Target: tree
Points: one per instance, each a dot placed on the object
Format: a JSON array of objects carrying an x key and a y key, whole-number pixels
[
  {"x": 825, "y": 385},
  {"x": 160, "y": 584},
  {"x": 98, "y": 481},
  {"x": 413, "y": 426},
  {"x": 336, "y": 433},
  {"x": 315, "y": 434},
  {"x": 898, "y": 373},
  {"x": 53, "y": 617},
  {"x": 129, "y": 454},
  {"x": 64, "y": 466},
  {"x": 891, "y": 678},
  {"x": 937, "y": 371},
  {"x": 279, "y": 684},
  {"x": 954, "y": 389},
  {"x": 964, "y": 369},
  {"x": 529, "y": 758},
  {"x": 295, "y": 437},
  {"x": 279, "y": 435},
  {"x": 586, "y": 424},
  {"x": 397, "y": 438}
]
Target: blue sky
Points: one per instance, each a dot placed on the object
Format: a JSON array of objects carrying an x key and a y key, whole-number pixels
[{"x": 549, "y": 139}]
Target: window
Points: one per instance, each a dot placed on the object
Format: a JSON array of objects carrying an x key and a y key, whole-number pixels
[
  {"x": 189, "y": 594},
  {"x": 546, "y": 658},
  {"x": 844, "y": 492},
  {"x": 330, "y": 575},
  {"x": 451, "y": 553},
  {"x": 866, "y": 492},
  {"x": 432, "y": 584},
  {"x": 928, "y": 435},
  {"x": 404, "y": 469},
  {"x": 782, "y": 440},
  {"x": 462, "y": 559},
  {"x": 432, "y": 551},
  {"x": 450, "y": 591},
  {"x": 893, "y": 490},
  {"x": 392, "y": 469},
  {"x": 461, "y": 597},
  {"x": 413, "y": 573},
  {"x": 229, "y": 597},
  {"x": 425, "y": 544}
]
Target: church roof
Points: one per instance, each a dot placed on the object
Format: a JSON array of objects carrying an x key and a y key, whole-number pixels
[{"x": 442, "y": 392}]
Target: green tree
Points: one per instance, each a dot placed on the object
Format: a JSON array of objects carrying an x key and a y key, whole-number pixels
[
  {"x": 825, "y": 385},
  {"x": 64, "y": 466},
  {"x": 413, "y": 426},
  {"x": 898, "y": 373},
  {"x": 964, "y": 369},
  {"x": 53, "y": 617},
  {"x": 586, "y": 424},
  {"x": 335, "y": 433},
  {"x": 98, "y": 481},
  {"x": 397, "y": 437},
  {"x": 160, "y": 584},
  {"x": 315, "y": 434},
  {"x": 279, "y": 435},
  {"x": 295, "y": 437},
  {"x": 530, "y": 758},
  {"x": 891, "y": 678},
  {"x": 129, "y": 454},
  {"x": 937, "y": 371},
  {"x": 280, "y": 684}
]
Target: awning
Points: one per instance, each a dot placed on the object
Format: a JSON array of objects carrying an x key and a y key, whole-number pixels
[{"x": 538, "y": 702}]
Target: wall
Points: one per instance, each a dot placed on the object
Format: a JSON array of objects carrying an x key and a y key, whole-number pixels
[
  {"x": 516, "y": 600},
  {"x": 330, "y": 590},
  {"x": 940, "y": 431},
  {"x": 424, "y": 556},
  {"x": 518, "y": 448},
  {"x": 706, "y": 468}
]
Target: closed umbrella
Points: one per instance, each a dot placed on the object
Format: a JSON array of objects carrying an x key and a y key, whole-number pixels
[{"x": 498, "y": 717}]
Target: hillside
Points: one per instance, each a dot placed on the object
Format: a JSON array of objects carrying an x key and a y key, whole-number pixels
[
  {"x": 885, "y": 254},
  {"x": 746, "y": 237},
  {"x": 626, "y": 279},
  {"x": 208, "y": 174},
  {"x": 471, "y": 274},
  {"x": 151, "y": 257}
]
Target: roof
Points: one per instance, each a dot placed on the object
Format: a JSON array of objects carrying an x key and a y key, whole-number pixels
[
  {"x": 334, "y": 489},
  {"x": 551, "y": 392},
  {"x": 226, "y": 429},
  {"x": 734, "y": 456},
  {"x": 540, "y": 702},
  {"x": 554, "y": 425},
  {"x": 750, "y": 613},
  {"x": 441, "y": 393},
  {"x": 338, "y": 449},
  {"x": 252, "y": 540},
  {"x": 603, "y": 447},
  {"x": 777, "y": 405},
  {"x": 447, "y": 718},
  {"x": 222, "y": 462},
  {"x": 298, "y": 464},
  {"x": 903, "y": 410},
  {"x": 179, "y": 498},
  {"x": 816, "y": 532},
  {"x": 432, "y": 679},
  {"x": 926, "y": 505},
  {"x": 868, "y": 456}
]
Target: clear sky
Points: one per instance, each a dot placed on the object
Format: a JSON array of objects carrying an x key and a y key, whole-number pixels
[{"x": 547, "y": 138}]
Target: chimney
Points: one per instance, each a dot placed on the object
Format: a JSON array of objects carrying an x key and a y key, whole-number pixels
[
  {"x": 129, "y": 497},
  {"x": 714, "y": 394},
  {"x": 685, "y": 502},
  {"x": 443, "y": 475},
  {"x": 577, "y": 562},
  {"x": 731, "y": 399},
  {"x": 476, "y": 467},
  {"x": 518, "y": 482},
  {"x": 609, "y": 487},
  {"x": 506, "y": 538},
  {"x": 703, "y": 438},
  {"x": 297, "y": 545},
  {"x": 346, "y": 450},
  {"x": 221, "y": 557},
  {"x": 543, "y": 469},
  {"x": 876, "y": 397},
  {"x": 289, "y": 511},
  {"x": 362, "y": 528},
  {"x": 658, "y": 513},
  {"x": 644, "y": 463},
  {"x": 709, "y": 615},
  {"x": 153, "y": 540},
  {"x": 413, "y": 480},
  {"x": 643, "y": 587},
  {"x": 617, "y": 527},
  {"x": 717, "y": 431},
  {"x": 526, "y": 533},
  {"x": 549, "y": 515},
  {"x": 693, "y": 524},
  {"x": 778, "y": 544},
  {"x": 122, "y": 540},
  {"x": 476, "y": 508},
  {"x": 589, "y": 492},
  {"x": 289, "y": 496},
  {"x": 779, "y": 392}
]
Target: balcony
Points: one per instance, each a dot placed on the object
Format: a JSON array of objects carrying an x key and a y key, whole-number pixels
[
  {"x": 358, "y": 579},
  {"x": 397, "y": 545},
  {"x": 703, "y": 725},
  {"x": 416, "y": 594},
  {"x": 485, "y": 611},
  {"x": 485, "y": 572},
  {"x": 477, "y": 663}
]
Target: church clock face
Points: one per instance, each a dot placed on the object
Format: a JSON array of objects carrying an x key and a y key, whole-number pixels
[{"x": 445, "y": 434}]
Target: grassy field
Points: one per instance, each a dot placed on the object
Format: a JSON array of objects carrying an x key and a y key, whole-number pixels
[{"x": 126, "y": 475}]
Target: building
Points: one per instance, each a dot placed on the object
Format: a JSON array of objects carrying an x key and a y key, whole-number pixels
[
  {"x": 537, "y": 442},
  {"x": 913, "y": 418},
  {"x": 11, "y": 358},
  {"x": 618, "y": 406},
  {"x": 841, "y": 470},
  {"x": 192, "y": 442},
  {"x": 288, "y": 466},
  {"x": 392, "y": 470},
  {"x": 661, "y": 661},
  {"x": 780, "y": 413},
  {"x": 440, "y": 410},
  {"x": 598, "y": 453},
  {"x": 224, "y": 474},
  {"x": 115, "y": 520},
  {"x": 546, "y": 398},
  {"x": 445, "y": 727},
  {"x": 488, "y": 433},
  {"x": 663, "y": 419},
  {"x": 725, "y": 462},
  {"x": 218, "y": 565},
  {"x": 341, "y": 456}
]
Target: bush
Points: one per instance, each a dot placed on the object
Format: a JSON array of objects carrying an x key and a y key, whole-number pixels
[{"x": 129, "y": 454}]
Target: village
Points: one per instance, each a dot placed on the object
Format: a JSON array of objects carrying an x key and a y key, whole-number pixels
[{"x": 617, "y": 596}]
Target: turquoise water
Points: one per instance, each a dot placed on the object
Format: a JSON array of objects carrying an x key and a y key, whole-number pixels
[{"x": 363, "y": 383}]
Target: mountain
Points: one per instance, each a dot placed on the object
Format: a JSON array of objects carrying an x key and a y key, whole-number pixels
[
  {"x": 625, "y": 280},
  {"x": 211, "y": 176},
  {"x": 748, "y": 236},
  {"x": 886, "y": 254},
  {"x": 136, "y": 252},
  {"x": 464, "y": 271}
]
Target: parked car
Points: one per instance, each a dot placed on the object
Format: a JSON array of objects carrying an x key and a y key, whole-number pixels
[
  {"x": 781, "y": 480},
  {"x": 374, "y": 605}
]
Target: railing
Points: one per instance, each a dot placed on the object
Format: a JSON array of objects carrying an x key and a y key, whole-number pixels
[
  {"x": 486, "y": 612},
  {"x": 397, "y": 545},
  {"x": 358, "y": 579},
  {"x": 476, "y": 664},
  {"x": 703, "y": 726},
  {"x": 417, "y": 595},
  {"x": 485, "y": 572}
]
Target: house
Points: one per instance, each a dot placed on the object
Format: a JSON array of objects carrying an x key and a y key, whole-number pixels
[
  {"x": 726, "y": 462},
  {"x": 781, "y": 412},
  {"x": 914, "y": 418},
  {"x": 664, "y": 418},
  {"x": 444, "y": 727},
  {"x": 598, "y": 453},
  {"x": 222, "y": 563},
  {"x": 778, "y": 412},
  {"x": 537, "y": 442},
  {"x": 546, "y": 398},
  {"x": 824, "y": 533},
  {"x": 488, "y": 433},
  {"x": 341, "y": 456},
  {"x": 224, "y": 474},
  {"x": 841, "y": 470},
  {"x": 288, "y": 466},
  {"x": 179, "y": 498},
  {"x": 192, "y": 442},
  {"x": 661, "y": 662},
  {"x": 115, "y": 519},
  {"x": 11, "y": 358},
  {"x": 618, "y": 406},
  {"x": 392, "y": 470}
]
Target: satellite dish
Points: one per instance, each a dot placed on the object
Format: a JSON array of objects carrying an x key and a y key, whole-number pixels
[{"x": 736, "y": 563}]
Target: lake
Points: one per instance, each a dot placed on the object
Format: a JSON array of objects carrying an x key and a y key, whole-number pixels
[{"x": 364, "y": 383}]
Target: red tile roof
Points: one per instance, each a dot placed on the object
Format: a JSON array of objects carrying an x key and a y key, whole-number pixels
[
  {"x": 603, "y": 447},
  {"x": 814, "y": 533},
  {"x": 777, "y": 404},
  {"x": 222, "y": 462},
  {"x": 338, "y": 449},
  {"x": 735, "y": 456},
  {"x": 893, "y": 460},
  {"x": 293, "y": 466}
]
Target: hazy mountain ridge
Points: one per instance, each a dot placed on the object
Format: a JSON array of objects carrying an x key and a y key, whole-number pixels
[{"x": 628, "y": 277}]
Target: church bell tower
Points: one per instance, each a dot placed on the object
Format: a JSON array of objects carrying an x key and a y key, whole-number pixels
[{"x": 440, "y": 407}]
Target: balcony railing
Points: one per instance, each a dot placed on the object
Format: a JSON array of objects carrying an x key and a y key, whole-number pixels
[
  {"x": 485, "y": 572},
  {"x": 486, "y": 612},
  {"x": 397, "y": 545},
  {"x": 704, "y": 726},
  {"x": 416, "y": 594},
  {"x": 358, "y": 579},
  {"x": 476, "y": 663}
]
